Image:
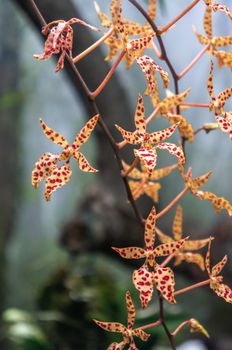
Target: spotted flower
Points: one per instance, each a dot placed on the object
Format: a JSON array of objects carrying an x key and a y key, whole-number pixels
[
  {"x": 47, "y": 167},
  {"x": 119, "y": 39},
  {"x": 221, "y": 289},
  {"x": 185, "y": 253},
  {"x": 223, "y": 119},
  {"x": 127, "y": 332},
  {"x": 216, "y": 41},
  {"x": 151, "y": 272},
  {"x": 60, "y": 40},
  {"x": 147, "y": 152},
  {"x": 141, "y": 183},
  {"x": 195, "y": 183}
]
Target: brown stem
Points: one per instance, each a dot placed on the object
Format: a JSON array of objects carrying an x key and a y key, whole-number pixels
[
  {"x": 191, "y": 104},
  {"x": 150, "y": 325},
  {"x": 108, "y": 76},
  {"x": 178, "y": 329},
  {"x": 177, "y": 18},
  {"x": 125, "y": 173},
  {"x": 172, "y": 203},
  {"x": 101, "y": 122},
  {"x": 194, "y": 61},
  {"x": 93, "y": 47},
  {"x": 193, "y": 286},
  {"x": 165, "y": 327}
]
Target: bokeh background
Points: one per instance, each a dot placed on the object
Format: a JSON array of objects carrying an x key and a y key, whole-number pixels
[{"x": 57, "y": 270}]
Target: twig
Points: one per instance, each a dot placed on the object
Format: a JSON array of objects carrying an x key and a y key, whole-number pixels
[
  {"x": 93, "y": 47},
  {"x": 151, "y": 325},
  {"x": 178, "y": 329},
  {"x": 177, "y": 18},
  {"x": 194, "y": 61},
  {"x": 125, "y": 173},
  {"x": 165, "y": 327},
  {"x": 172, "y": 203},
  {"x": 108, "y": 76},
  {"x": 193, "y": 104},
  {"x": 193, "y": 286}
]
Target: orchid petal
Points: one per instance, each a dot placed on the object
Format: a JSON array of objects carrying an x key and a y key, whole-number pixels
[
  {"x": 85, "y": 132},
  {"x": 54, "y": 136},
  {"x": 143, "y": 281},
  {"x": 164, "y": 280},
  {"x": 178, "y": 223},
  {"x": 43, "y": 168},
  {"x": 131, "y": 252},
  {"x": 58, "y": 178},
  {"x": 173, "y": 149}
]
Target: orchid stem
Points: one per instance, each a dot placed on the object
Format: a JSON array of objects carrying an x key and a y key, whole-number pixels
[
  {"x": 179, "y": 328},
  {"x": 172, "y": 203},
  {"x": 194, "y": 61},
  {"x": 108, "y": 76},
  {"x": 191, "y": 104},
  {"x": 93, "y": 47},
  {"x": 133, "y": 165},
  {"x": 177, "y": 18},
  {"x": 151, "y": 325},
  {"x": 193, "y": 286}
]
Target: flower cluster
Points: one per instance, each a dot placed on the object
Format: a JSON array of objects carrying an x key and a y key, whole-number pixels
[{"x": 131, "y": 40}]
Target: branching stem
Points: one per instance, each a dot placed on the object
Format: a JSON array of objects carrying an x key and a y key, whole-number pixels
[
  {"x": 193, "y": 286},
  {"x": 177, "y": 18},
  {"x": 93, "y": 47}
]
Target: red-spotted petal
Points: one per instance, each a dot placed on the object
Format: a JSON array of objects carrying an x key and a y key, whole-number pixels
[
  {"x": 140, "y": 334},
  {"x": 131, "y": 252},
  {"x": 169, "y": 248},
  {"x": 219, "y": 266},
  {"x": 116, "y": 346},
  {"x": 222, "y": 8},
  {"x": 143, "y": 281},
  {"x": 58, "y": 178},
  {"x": 111, "y": 326},
  {"x": 43, "y": 168},
  {"x": 53, "y": 135},
  {"x": 225, "y": 123},
  {"x": 83, "y": 163},
  {"x": 177, "y": 223},
  {"x": 129, "y": 136},
  {"x": 130, "y": 311},
  {"x": 191, "y": 258},
  {"x": 140, "y": 122},
  {"x": 85, "y": 132},
  {"x": 223, "y": 291},
  {"x": 149, "y": 234},
  {"x": 164, "y": 280},
  {"x": 164, "y": 134},
  {"x": 173, "y": 149},
  {"x": 148, "y": 156}
]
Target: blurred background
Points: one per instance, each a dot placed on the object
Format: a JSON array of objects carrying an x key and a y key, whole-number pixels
[{"x": 57, "y": 270}]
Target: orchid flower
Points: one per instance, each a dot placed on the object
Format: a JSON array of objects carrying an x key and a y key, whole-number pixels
[
  {"x": 151, "y": 272},
  {"x": 47, "y": 168},
  {"x": 147, "y": 151},
  {"x": 193, "y": 184},
  {"x": 223, "y": 119},
  {"x": 221, "y": 289},
  {"x": 60, "y": 40},
  {"x": 128, "y": 332},
  {"x": 214, "y": 42}
]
